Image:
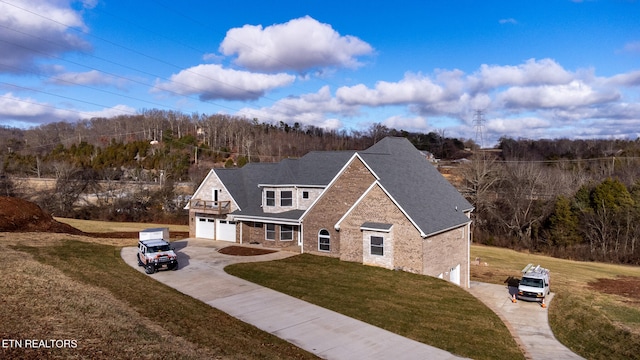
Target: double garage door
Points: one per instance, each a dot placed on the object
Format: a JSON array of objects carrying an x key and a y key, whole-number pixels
[{"x": 215, "y": 229}]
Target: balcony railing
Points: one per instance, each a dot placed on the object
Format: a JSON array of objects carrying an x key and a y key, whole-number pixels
[{"x": 212, "y": 207}]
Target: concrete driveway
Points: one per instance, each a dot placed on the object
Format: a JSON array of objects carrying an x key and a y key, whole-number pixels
[
  {"x": 320, "y": 331},
  {"x": 527, "y": 321}
]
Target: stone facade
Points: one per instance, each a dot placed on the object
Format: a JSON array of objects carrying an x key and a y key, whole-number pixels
[{"x": 208, "y": 189}]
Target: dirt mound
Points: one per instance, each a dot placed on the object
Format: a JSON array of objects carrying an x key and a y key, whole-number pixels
[
  {"x": 18, "y": 215},
  {"x": 627, "y": 286}
]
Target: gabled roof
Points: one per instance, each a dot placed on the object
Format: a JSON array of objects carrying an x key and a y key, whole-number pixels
[
  {"x": 422, "y": 193},
  {"x": 431, "y": 202},
  {"x": 316, "y": 168}
]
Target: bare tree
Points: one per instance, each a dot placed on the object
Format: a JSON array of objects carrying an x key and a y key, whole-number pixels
[{"x": 523, "y": 199}]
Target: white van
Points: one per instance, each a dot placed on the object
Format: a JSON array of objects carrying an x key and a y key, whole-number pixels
[{"x": 534, "y": 285}]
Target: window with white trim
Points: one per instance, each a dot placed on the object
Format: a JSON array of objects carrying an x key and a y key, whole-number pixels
[
  {"x": 286, "y": 232},
  {"x": 305, "y": 194},
  {"x": 377, "y": 245},
  {"x": 270, "y": 198},
  {"x": 324, "y": 240},
  {"x": 286, "y": 198},
  {"x": 270, "y": 232}
]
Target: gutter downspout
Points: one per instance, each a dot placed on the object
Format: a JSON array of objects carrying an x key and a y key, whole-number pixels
[
  {"x": 301, "y": 238},
  {"x": 468, "y": 255}
]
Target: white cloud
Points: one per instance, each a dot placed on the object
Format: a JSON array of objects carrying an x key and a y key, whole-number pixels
[
  {"x": 627, "y": 79},
  {"x": 212, "y": 81},
  {"x": 211, "y": 57},
  {"x": 518, "y": 125},
  {"x": 412, "y": 89},
  {"x": 25, "y": 36},
  {"x": 508, "y": 21},
  {"x": 572, "y": 95},
  {"x": 417, "y": 123},
  {"x": 92, "y": 77},
  {"x": 532, "y": 72},
  {"x": 300, "y": 44},
  {"x": 26, "y": 111},
  {"x": 632, "y": 47},
  {"x": 117, "y": 110},
  {"x": 310, "y": 109},
  {"x": 538, "y": 98},
  {"x": 13, "y": 107}
]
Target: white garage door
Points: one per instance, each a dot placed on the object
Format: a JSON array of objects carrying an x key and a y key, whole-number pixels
[
  {"x": 226, "y": 230},
  {"x": 205, "y": 227}
]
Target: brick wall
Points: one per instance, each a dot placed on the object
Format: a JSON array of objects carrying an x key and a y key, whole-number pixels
[
  {"x": 403, "y": 244},
  {"x": 444, "y": 251},
  {"x": 335, "y": 202},
  {"x": 253, "y": 234}
]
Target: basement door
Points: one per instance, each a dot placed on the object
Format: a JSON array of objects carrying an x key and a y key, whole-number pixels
[
  {"x": 205, "y": 227},
  {"x": 454, "y": 275}
]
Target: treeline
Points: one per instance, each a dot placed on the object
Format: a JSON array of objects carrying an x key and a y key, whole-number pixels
[
  {"x": 128, "y": 147},
  {"x": 570, "y": 198},
  {"x": 164, "y": 148}
]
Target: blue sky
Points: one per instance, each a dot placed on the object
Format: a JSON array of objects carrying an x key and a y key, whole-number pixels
[{"x": 536, "y": 69}]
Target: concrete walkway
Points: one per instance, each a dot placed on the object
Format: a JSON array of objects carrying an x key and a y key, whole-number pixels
[
  {"x": 320, "y": 331},
  {"x": 527, "y": 321}
]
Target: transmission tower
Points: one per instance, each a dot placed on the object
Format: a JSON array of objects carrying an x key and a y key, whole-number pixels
[{"x": 478, "y": 122}]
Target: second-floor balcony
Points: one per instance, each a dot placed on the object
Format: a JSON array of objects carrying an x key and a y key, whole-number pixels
[{"x": 210, "y": 206}]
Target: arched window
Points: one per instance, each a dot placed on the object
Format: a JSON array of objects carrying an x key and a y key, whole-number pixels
[{"x": 324, "y": 240}]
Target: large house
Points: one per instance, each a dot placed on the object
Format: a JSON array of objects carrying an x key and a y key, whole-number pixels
[{"x": 386, "y": 206}]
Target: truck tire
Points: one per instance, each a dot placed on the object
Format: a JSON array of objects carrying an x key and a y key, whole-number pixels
[
  {"x": 140, "y": 263},
  {"x": 149, "y": 269}
]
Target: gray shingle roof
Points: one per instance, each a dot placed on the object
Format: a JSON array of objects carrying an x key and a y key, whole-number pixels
[
  {"x": 422, "y": 192},
  {"x": 316, "y": 168},
  {"x": 376, "y": 226}
]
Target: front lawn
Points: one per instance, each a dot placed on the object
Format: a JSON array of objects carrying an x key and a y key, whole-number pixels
[
  {"x": 419, "y": 307},
  {"x": 70, "y": 289}
]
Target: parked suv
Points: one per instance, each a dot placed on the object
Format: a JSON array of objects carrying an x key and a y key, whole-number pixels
[{"x": 156, "y": 254}]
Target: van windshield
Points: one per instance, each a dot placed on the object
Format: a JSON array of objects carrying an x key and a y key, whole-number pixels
[{"x": 532, "y": 282}]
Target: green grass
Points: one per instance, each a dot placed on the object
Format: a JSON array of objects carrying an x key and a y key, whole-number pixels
[
  {"x": 422, "y": 308},
  {"x": 593, "y": 324},
  {"x": 101, "y": 266}
]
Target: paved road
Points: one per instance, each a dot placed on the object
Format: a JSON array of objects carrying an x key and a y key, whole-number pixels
[
  {"x": 320, "y": 331},
  {"x": 527, "y": 321}
]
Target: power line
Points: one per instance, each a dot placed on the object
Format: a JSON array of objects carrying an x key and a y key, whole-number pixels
[{"x": 160, "y": 61}]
